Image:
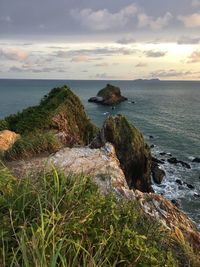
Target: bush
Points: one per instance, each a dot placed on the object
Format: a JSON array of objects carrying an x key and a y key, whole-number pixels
[{"x": 65, "y": 221}]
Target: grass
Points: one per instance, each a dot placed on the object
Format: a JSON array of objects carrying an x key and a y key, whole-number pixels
[
  {"x": 65, "y": 221},
  {"x": 58, "y": 112}
]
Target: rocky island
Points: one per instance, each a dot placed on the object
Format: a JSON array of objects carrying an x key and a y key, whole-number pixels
[
  {"x": 86, "y": 195},
  {"x": 110, "y": 96}
]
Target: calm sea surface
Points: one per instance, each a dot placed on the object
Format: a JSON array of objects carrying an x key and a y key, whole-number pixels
[{"x": 167, "y": 110}]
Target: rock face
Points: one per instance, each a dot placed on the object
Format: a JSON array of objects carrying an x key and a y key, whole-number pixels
[
  {"x": 7, "y": 139},
  {"x": 110, "y": 95},
  {"x": 157, "y": 173},
  {"x": 133, "y": 154},
  {"x": 101, "y": 164}
]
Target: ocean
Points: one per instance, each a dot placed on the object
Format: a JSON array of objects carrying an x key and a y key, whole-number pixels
[{"x": 168, "y": 111}]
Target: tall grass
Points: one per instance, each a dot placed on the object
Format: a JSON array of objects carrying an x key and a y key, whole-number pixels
[{"x": 65, "y": 221}]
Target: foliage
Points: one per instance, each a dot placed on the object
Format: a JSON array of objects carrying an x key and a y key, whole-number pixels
[
  {"x": 33, "y": 145},
  {"x": 59, "y": 111},
  {"x": 108, "y": 91},
  {"x": 65, "y": 221}
]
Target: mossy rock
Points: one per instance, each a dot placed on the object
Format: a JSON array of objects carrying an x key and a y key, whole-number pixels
[
  {"x": 110, "y": 95},
  {"x": 61, "y": 114},
  {"x": 132, "y": 151}
]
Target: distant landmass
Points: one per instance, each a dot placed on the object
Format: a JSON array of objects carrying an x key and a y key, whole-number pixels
[{"x": 147, "y": 80}]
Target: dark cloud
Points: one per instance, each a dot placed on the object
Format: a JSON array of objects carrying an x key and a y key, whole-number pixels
[
  {"x": 153, "y": 53},
  {"x": 104, "y": 51},
  {"x": 49, "y": 17},
  {"x": 188, "y": 40},
  {"x": 126, "y": 40}
]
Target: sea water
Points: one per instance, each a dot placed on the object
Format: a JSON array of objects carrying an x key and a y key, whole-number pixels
[{"x": 168, "y": 111}]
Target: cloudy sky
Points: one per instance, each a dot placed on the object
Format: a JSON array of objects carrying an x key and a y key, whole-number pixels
[{"x": 93, "y": 39}]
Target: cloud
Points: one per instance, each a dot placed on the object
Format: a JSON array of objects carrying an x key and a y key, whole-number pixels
[
  {"x": 103, "y": 64},
  {"x": 195, "y": 3},
  {"x": 188, "y": 40},
  {"x": 194, "y": 57},
  {"x": 154, "y": 23},
  {"x": 103, "y": 76},
  {"x": 103, "y": 19},
  {"x": 191, "y": 21},
  {"x": 14, "y": 54},
  {"x": 6, "y": 19},
  {"x": 153, "y": 53},
  {"x": 100, "y": 51},
  {"x": 141, "y": 65},
  {"x": 80, "y": 58},
  {"x": 172, "y": 73},
  {"x": 25, "y": 69},
  {"x": 126, "y": 40}
]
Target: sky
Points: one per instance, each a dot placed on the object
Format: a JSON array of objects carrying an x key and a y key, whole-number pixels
[{"x": 93, "y": 39}]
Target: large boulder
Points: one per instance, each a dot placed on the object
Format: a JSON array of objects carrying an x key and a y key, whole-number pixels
[
  {"x": 7, "y": 139},
  {"x": 132, "y": 151},
  {"x": 110, "y": 95},
  {"x": 157, "y": 173}
]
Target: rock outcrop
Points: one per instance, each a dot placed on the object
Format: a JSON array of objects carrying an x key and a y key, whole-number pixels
[
  {"x": 104, "y": 168},
  {"x": 157, "y": 173},
  {"x": 133, "y": 153},
  {"x": 110, "y": 95},
  {"x": 60, "y": 113},
  {"x": 101, "y": 164},
  {"x": 7, "y": 139}
]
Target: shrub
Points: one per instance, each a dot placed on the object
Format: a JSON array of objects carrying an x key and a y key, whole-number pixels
[{"x": 65, "y": 221}]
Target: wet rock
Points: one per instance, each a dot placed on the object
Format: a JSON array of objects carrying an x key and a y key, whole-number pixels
[
  {"x": 151, "y": 137},
  {"x": 176, "y": 161},
  {"x": 157, "y": 160},
  {"x": 157, "y": 173},
  {"x": 196, "y": 160},
  {"x": 178, "y": 181},
  {"x": 189, "y": 186},
  {"x": 152, "y": 146},
  {"x": 134, "y": 155},
  {"x": 196, "y": 195},
  {"x": 162, "y": 153},
  {"x": 176, "y": 203},
  {"x": 110, "y": 95},
  {"x": 173, "y": 160},
  {"x": 184, "y": 164}
]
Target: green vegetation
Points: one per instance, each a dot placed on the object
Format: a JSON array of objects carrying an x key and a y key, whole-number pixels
[
  {"x": 108, "y": 91},
  {"x": 58, "y": 112},
  {"x": 65, "y": 221}
]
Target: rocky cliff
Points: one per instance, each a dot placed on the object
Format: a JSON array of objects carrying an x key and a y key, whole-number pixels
[
  {"x": 110, "y": 95},
  {"x": 118, "y": 159},
  {"x": 132, "y": 151},
  {"x": 59, "y": 120},
  {"x": 103, "y": 166}
]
